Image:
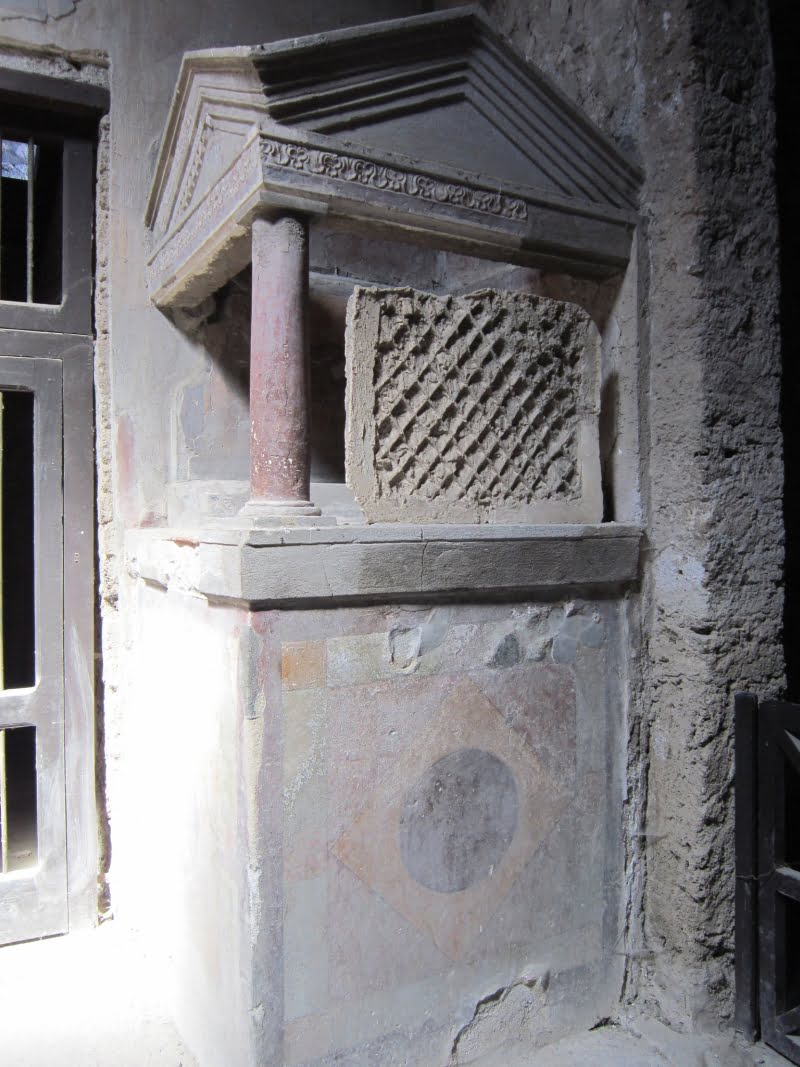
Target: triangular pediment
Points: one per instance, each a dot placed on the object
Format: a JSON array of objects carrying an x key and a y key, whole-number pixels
[
  {"x": 429, "y": 127},
  {"x": 441, "y": 89}
]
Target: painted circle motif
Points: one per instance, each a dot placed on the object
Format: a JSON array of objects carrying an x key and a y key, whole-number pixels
[{"x": 458, "y": 820}]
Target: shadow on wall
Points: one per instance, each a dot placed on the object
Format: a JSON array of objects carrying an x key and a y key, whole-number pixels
[{"x": 787, "y": 96}]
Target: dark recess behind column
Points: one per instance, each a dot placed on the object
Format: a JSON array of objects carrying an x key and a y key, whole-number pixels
[{"x": 784, "y": 21}]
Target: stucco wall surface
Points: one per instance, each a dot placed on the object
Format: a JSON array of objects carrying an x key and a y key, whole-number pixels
[
  {"x": 179, "y": 825},
  {"x": 686, "y": 88}
]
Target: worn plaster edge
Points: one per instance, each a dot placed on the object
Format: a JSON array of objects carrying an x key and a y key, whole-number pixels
[
  {"x": 531, "y": 978},
  {"x": 108, "y": 630},
  {"x": 637, "y": 951},
  {"x": 532, "y": 1008},
  {"x": 359, "y": 438},
  {"x": 71, "y": 64},
  {"x": 639, "y": 713}
]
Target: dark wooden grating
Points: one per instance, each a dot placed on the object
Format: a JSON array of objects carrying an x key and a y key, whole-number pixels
[{"x": 768, "y": 873}]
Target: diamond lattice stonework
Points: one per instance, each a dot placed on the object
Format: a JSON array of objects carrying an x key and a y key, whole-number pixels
[{"x": 472, "y": 409}]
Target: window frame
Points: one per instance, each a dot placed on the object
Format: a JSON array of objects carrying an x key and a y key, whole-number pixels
[{"x": 71, "y": 111}]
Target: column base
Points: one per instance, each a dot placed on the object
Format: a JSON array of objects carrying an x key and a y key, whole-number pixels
[{"x": 268, "y": 514}]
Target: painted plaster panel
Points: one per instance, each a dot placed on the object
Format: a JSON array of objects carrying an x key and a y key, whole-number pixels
[{"x": 446, "y": 773}]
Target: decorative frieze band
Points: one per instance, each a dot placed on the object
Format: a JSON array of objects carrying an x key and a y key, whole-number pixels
[
  {"x": 375, "y": 176},
  {"x": 194, "y": 168},
  {"x": 203, "y": 234}
]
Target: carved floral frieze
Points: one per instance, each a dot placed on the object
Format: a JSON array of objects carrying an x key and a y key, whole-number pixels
[{"x": 349, "y": 168}]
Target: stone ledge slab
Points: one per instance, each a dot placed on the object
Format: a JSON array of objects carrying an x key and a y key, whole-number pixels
[{"x": 295, "y": 568}]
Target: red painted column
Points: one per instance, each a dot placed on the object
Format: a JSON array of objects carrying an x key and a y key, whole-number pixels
[{"x": 279, "y": 383}]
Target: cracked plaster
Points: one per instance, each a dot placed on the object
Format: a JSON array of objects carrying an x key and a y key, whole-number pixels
[{"x": 37, "y": 10}]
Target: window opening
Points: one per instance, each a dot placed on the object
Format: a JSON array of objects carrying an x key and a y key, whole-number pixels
[
  {"x": 30, "y": 219},
  {"x": 18, "y": 834}
]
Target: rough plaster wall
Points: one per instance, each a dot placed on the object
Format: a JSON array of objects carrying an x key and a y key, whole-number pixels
[
  {"x": 686, "y": 87},
  {"x": 716, "y": 497}
]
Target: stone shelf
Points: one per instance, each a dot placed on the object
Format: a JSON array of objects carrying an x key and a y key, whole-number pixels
[{"x": 303, "y": 567}]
